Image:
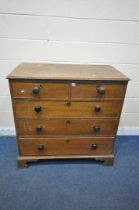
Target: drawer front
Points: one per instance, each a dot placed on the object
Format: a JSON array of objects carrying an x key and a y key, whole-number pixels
[
  {"x": 69, "y": 146},
  {"x": 101, "y": 90},
  {"x": 59, "y": 109},
  {"x": 93, "y": 127},
  {"x": 75, "y": 90},
  {"x": 40, "y": 90}
]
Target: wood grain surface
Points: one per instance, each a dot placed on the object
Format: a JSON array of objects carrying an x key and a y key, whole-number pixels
[
  {"x": 63, "y": 110},
  {"x": 24, "y": 89},
  {"x": 67, "y": 146},
  {"x": 58, "y": 109},
  {"x": 66, "y": 71},
  {"x": 56, "y": 127},
  {"x": 67, "y": 90}
]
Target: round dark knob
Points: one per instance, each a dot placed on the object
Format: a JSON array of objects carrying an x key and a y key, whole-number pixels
[
  {"x": 101, "y": 90},
  {"x": 40, "y": 147},
  {"x": 94, "y": 146},
  {"x": 37, "y": 108},
  {"x": 97, "y": 108},
  {"x": 39, "y": 128},
  {"x": 36, "y": 90},
  {"x": 96, "y": 128}
]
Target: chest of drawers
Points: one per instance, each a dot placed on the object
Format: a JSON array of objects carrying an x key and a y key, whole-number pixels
[{"x": 66, "y": 111}]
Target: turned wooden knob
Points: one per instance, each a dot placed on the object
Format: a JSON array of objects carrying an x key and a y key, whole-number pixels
[
  {"x": 36, "y": 90},
  {"x": 94, "y": 146},
  {"x": 97, "y": 108},
  {"x": 39, "y": 128},
  {"x": 96, "y": 128},
  {"x": 101, "y": 90},
  {"x": 38, "y": 108}
]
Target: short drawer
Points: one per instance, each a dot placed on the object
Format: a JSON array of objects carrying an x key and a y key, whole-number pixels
[
  {"x": 32, "y": 89},
  {"x": 50, "y": 109},
  {"x": 67, "y": 146},
  {"x": 92, "y": 127},
  {"x": 97, "y": 90}
]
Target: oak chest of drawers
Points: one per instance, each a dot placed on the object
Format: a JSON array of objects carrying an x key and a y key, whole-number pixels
[{"x": 66, "y": 111}]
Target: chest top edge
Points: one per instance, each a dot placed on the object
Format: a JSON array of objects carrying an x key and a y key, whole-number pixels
[{"x": 68, "y": 72}]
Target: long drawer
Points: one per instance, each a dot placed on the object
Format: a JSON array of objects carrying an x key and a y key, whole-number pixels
[
  {"x": 68, "y": 146},
  {"x": 50, "y": 109},
  {"x": 93, "y": 127}
]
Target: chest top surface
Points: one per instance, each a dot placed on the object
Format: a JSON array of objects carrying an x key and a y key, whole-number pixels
[{"x": 66, "y": 72}]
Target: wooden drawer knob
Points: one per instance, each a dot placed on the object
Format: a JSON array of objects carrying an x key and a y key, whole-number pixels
[
  {"x": 38, "y": 108},
  {"x": 36, "y": 90},
  {"x": 39, "y": 128},
  {"x": 94, "y": 146},
  {"x": 97, "y": 108},
  {"x": 40, "y": 147},
  {"x": 100, "y": 90},
  {"x": 96, "y": 128}
]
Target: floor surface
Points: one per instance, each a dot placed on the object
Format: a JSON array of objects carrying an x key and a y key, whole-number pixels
[{"x": 71, "y": 184}]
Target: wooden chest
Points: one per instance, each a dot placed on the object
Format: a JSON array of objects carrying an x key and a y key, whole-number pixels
[{"x": 66, "y": 111}]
